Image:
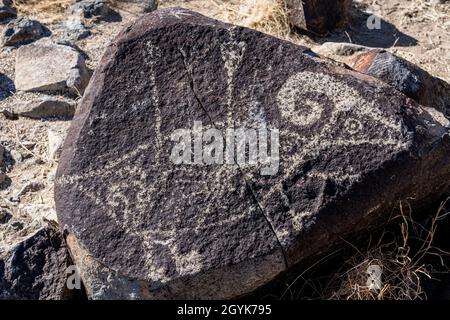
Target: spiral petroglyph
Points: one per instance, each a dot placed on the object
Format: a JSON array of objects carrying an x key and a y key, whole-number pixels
[{"x": 183, "y": 229}]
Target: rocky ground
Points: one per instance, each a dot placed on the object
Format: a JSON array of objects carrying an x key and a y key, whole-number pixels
[{"x": 417, "y": 30}]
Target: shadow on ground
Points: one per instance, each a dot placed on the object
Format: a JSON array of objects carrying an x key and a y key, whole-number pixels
[
  {"x": 7, "y": 87},
  {"x": 315, "y": 278},
  {"x": 113, "y": 16},
  {"x": 359, "y": 33}
]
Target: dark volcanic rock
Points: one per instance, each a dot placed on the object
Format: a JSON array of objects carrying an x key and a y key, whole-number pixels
[
  {"x": 406, "y": 77},
  {"x": 75, "y": 29},
  {"x": 319, "y": 16},
  {"x": 145, "y": 226},
  {"x": 7, "y": 87},
  {"x": 2, "y": 174},
  {"x": 6, "y": 10},
  {"x": 90, "y": 8},
  {"x": 47, "y": 107},
  {"x": 35, "y": 269},
  {"x": 23, "y": 31}
]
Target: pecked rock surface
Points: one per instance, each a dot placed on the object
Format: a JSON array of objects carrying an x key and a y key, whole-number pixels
[
  {"x": 35, "y": 268},
  {"x": 141, "y": 226}
]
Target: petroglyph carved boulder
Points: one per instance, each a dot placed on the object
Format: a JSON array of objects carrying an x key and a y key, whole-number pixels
[{"x": 144, "y": 226}]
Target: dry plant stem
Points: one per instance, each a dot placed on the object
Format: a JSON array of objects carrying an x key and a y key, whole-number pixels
[
  {"x": 403, "y": 264},
  {"x": 12, "y": 128}
]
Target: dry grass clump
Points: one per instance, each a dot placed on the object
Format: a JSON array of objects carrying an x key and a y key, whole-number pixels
[
  {"x": 46, "y": 11},
  {"x": 409, "y": 260},
  {"x": 41, "y": 6},
  {"x": 404, "y": 261},
  {"x": 268, "y": 16}
]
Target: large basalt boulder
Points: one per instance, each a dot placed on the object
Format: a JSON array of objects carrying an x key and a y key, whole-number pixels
[
  {"x": 319, "y": 16},
  {"x": 144, "y": 225},
  {"x": 35, "y": 268}
]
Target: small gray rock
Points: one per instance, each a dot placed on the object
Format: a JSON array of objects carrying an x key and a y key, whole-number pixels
[
  {"x": 7, "y": 87},
  {"x": 55, "y": 143},
  {"x": 5, "y": 215},
  {"x": 6, "y": 10},
  {"x": 48, "y": 67},
  {"x": 30, "y": 187},
  {"x": 90, "y": 8},
  {"x": 340, "y": 49},
  {"x": 136, "y": 6},
  {"x": 75, "y": 29},
  {"x": 16, "y": 155},
  {"x": 23, "y": 31},
  {"x": 45, "y": 108},
  {"x": 40, "y": 211}
]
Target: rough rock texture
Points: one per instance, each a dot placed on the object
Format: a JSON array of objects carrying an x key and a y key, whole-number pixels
[
  {"x": 406, "y": 77},
  {"x": 350, "y": 148},
  {"x": 5, "y": 215},
  {"x": 46, "y": 66},
  {"x": 340, "y": 49},
  {"x": 23, "y": 31},
  {"x": 6, "y": 10},
  {"x": 75, "y": 29},
  {"x": 319, "y": 16},
  {"x": 90, "y": 8},
  {"x": 35, "y": 268},
  {"x": 55, "y": 142},
  {"x": 2, "y": 174},
  {"x": 45, "y": 108},
  {"x": 135, "y": 6},
  {"x": 7, "y": 87}
]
